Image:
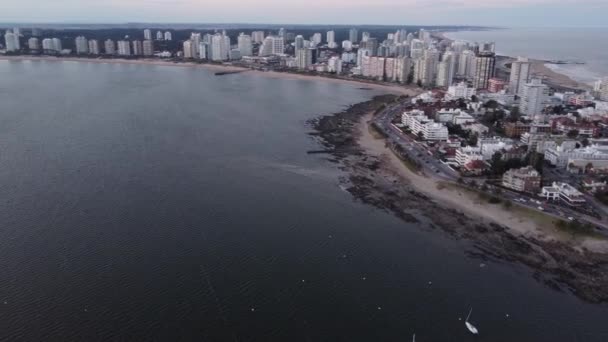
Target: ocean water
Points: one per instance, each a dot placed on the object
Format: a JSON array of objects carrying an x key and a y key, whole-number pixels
[
  {"x": 151, "y": 203},
  {"x": 588, "y": 45}
]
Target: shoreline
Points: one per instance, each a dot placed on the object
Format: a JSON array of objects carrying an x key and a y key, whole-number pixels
[
  {"x": 539, "y": 68},
  {"x": 377, "y": 177},
  {"x": 387, "y": 88}
]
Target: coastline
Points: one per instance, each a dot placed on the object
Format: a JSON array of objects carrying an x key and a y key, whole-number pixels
[
  {"x": 539, "y": 68},
  {"x": 377, "y": 177},
  {"x": 387, "y": 88}
]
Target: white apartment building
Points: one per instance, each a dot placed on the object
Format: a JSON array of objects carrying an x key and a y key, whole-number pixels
[
  {"x": 168, "y": 36},
  {"x": 82, "y": 45},
  {"x": 124, "y": 48},
  {"x": 148, "y": 47},
  {"x": 563, "y": 192},
  {"x": 33, "y": 43},
  {"x": 418, "y": 123},
  {"x": 245, "y": 45},
  {"x": 534, "y": 97},
  {"x": 460, "y": 91},
  {"x": 11, "y": 41},
  {"x": 566, "y": 153},
  {"x": 94, "y": 47},
  {"x": 272, "y": 45},
  {"x": 220, "y": 47},
  {"x": 331, "y": 39},
  {"x": 489, "y": 147},
  {"x": 304, "y": 58},
  {"x": 109, "y": 47},
  {"x": 454, "y": 116},
  {"x": 257, "y": 36},
  {"x": 334, "y": 64},
  {"x": 188, "y": 50},
  {"x": 147, "y": 34},
  {"x": 465, "y": 155},
  {"x": 138, "y": 49},
  {"x": 520, "y": 75}
]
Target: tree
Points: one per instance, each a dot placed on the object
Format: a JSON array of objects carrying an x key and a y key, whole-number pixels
[
  {"x": 498, "y": 165},
  {"x": 492, "y": 104},
  {"x": 420, "y": 136},
  {"x": 462, "y": 104},
  {"x": 572, "y": 133},
  {"x": 473, "y": 139},
  {"x": 474, "y": 98},
  {"x": 515, "y": 114},
  {"x": 585, "y": 142},
  {"x": 419, "y": 83},
  {"x": 410, "y": 78}
]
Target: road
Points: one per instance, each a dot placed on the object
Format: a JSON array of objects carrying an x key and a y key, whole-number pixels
[{"x": 437, "y": 169}]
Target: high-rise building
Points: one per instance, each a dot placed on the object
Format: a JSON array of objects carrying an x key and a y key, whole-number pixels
[
  {"x": 446, "y": 70},
  {"x": 36, "y": 32},
  {"x": 33, "y": 43},
  {"x": 365, "y": 36},
  {"x": 109, "y": 47},
  {"x": 159, "y": 35},
  {"x": 148, "y": 47},
  {"x": 426, "y": 67},
  {"x": 601, "y": 88},
  {"x": 245, "y": 45},
  {"x": 347, "y": 45},
  {"x": 220, "y": 47},
  {"x": 17, "y": 31},
  {"x": 370, "y": 44},
  {"x": 203, "y": 50},
  {"x": 402, "y": 70},
  {"x": 147, "y": 34},
  {"x": 272, "y": 45},
  {"x": 425, "y": 36},
  {"x": 331, "y": 39},
  {"x": 10, "y": 40},
  {"x": 334, "y": 64},
  {"x": 299, "y": 42},
  {"x": 400, "y": 36},
  {"x": 124, "y": 48},
  {"x": 520, "y": 75},
  {"x": 93, "y": 47},
  {"x": 484, "y": 69},
  {"x": 282, "y": 32},
  {"x": 57, "y": 46},
  {"x": 465, "y": 63},
  {"x": 168, "y": 36},
  {"x": 534, "y": 98},
  {"x": 82, "y": 45},
  {"x": 361, "y": 53},
  {"x": 138, "y": 49},
  {"x": 257, "y": 36},
  {"x": 47, "y": 45},
  {"x": 409, "y": 39},
  {"x": 188, "y": 49},
  {"x": 316, "y": 38},
  {"x": 353, "y": 35}
]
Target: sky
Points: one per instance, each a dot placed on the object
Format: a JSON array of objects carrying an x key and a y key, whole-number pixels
[{"x": 507, "y": 13}]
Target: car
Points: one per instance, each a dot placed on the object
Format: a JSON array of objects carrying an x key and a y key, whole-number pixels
[
  {"x": 571, "y": 218},
  {"x": 541, "y": 208}
]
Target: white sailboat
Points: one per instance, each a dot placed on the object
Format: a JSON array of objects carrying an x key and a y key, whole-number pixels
[
  {"x": 414, "y": 338},
  {"x": 470, "y": 326}
]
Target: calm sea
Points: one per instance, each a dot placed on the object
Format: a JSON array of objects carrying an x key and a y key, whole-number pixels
[
  {"x": 588, "y": 45},
  {"x": 149, "y": 203}
]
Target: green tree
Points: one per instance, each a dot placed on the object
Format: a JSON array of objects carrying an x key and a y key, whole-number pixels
[
  {"x": 498, "y": 165},
  {"x": 515, "y": 114},
  {"x": 585, "y": 142},
  {"x": 474, "y": 98},
  {"x": 419, "y": 83},
  {"x": 572, "y": 133}
]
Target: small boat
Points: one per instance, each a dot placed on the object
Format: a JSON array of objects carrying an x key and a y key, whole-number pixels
[
  {"x": 414, "y": 338},
  {"x": 470, "y": 326}
]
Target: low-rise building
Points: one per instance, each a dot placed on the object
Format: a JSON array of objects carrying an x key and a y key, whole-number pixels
[
  {"x": 516, "y": 129},
  {"x": 460, "y": 91},
  {"x": 567, "y": 153},
  {"x": 496, "y": 85},
  {"x": 563, "y": 192},
  {"x": 526, "y": 179},
  {"x": 419, "y": 123},
  {"x": 465, "y": 155}
]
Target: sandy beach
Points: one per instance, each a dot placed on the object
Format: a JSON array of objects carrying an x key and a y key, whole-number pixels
[
  {"x": 386, "y": 88},
  {"x": 519, "y": 220}
]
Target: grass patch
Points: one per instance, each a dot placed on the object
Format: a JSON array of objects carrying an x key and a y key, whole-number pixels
[{"x": 577, "y": 229}]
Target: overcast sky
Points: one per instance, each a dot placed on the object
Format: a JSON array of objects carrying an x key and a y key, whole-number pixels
[{"x": 556, "y": 13}]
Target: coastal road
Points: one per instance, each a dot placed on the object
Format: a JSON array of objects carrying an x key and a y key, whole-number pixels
[{"x": 435, "y": 168}]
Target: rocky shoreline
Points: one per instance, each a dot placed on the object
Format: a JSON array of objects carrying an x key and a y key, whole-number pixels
[{"x": 372, "y": 180}]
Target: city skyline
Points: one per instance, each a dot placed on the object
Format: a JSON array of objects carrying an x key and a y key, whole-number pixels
[{"x": 537, "y": 13}]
